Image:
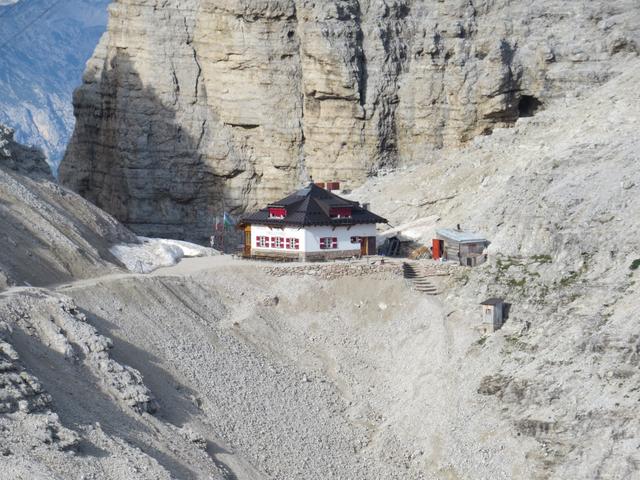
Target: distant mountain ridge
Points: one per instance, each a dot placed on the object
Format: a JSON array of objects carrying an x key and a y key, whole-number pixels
[{"x": 44, "y": 48}]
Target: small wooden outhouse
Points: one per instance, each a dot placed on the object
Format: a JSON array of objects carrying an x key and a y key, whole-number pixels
[{"x": 492, "y": 315}]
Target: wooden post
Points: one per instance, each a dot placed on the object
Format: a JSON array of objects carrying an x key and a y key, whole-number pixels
[{"x": 247, "y": 240}]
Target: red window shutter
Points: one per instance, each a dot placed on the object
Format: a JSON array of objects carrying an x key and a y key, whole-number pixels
[
  {"x": 328, "y": 243},
  {"x": 292, "y": 243}
]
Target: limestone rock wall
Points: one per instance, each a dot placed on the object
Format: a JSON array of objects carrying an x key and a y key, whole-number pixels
[
  {"x": 21, "y": 158},
  {"x": 191, "y": 107}
]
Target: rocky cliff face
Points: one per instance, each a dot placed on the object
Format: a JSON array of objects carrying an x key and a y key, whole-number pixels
[
  {"x": 21, "y": 158},
  {"x": 189, "y": 108},
  {"x": 558, "y": 197}
]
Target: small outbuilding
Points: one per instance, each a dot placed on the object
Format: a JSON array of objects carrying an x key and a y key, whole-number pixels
[
  {"x": 492, "y": 315},
  {"x": 459, "y": 246}
]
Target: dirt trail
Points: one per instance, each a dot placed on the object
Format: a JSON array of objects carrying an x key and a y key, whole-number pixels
[{"x": 186, "y": 267}]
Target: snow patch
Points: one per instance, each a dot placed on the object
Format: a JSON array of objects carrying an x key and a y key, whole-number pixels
[
  {"x": 153, "y": 253},
  {"x": 421, "y": 230}
]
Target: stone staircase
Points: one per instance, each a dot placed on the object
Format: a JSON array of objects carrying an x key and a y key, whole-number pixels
[{"x": 419, "y": 278}]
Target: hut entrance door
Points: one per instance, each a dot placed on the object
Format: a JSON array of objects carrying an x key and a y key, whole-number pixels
[
  {"x": 371, "y": 246},
  {"x": 436, "y": 249},
  {"x": 247, "y": 241},
  {"x": 367, "y": 246}
]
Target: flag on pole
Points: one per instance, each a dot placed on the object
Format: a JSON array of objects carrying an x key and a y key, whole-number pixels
[{"x": 227, "y": 220}]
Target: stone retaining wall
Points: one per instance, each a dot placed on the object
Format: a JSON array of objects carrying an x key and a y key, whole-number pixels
[
  {"x": 358, "y": 268},
  {"x": 337, "y": 269}
]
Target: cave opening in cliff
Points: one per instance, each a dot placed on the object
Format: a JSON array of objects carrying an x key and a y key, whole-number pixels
[{"x": 528, "y": 106}]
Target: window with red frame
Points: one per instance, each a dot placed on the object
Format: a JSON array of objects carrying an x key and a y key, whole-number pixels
[
  {"x": 293, "y": 244},
  {"x": 277, "y": 242},
  {"x": 340, "y": 212},
  {"x": 277, "y": 212},
  {"x": 328, "y": 243},
  {"x": 262, "y": 242}
]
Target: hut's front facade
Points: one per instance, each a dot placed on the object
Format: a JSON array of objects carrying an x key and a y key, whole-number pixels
[{"x": 310, "y": 224}]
